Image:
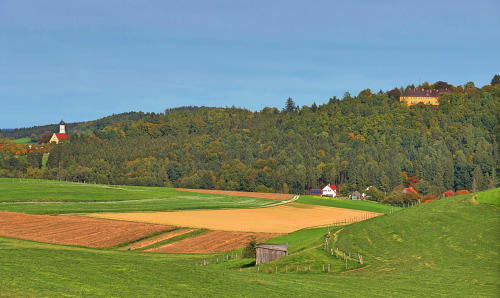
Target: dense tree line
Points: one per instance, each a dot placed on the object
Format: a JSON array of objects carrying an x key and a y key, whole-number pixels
[{"x": 354, "y": 142}]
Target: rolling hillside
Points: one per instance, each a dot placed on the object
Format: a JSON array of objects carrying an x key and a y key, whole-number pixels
[{"x": 445, "y": 248}]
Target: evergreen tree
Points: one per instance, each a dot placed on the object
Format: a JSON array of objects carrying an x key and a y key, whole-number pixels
[
  {"x": 495, "y": 80},
  {"x": 290, "y": 105}
]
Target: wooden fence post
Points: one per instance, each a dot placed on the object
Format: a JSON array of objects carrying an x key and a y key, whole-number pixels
[{"x": 328, "y": 267}]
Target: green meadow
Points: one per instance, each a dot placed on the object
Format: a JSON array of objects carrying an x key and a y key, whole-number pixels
[
  {"x": 346, "y": 203},
  {"x": 445, "y": 248},
  {"x": 53, "y": 197},
  {"x": 24, "y": 141}
]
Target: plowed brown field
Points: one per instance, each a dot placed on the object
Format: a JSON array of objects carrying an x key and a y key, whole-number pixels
[
  {"x": 279, "y": 219},
  {"x": 213, "y": 241},
  {"x": 262, "y": 195},
  {"x": 74, "y": 230},
  {"x": 153, "y": 240}
]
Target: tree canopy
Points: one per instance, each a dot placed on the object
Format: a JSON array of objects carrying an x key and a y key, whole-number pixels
[{"x": 357, "y": 142}]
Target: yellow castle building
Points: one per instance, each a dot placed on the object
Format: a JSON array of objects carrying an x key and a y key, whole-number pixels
[{"x": 415, "y": 96}]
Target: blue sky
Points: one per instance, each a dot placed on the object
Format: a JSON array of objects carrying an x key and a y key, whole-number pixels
[{"x": 81, "y": 60}]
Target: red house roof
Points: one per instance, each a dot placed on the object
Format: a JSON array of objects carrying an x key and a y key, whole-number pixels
[
  {"x": 410, "y": 190},
  {"x": 62, "y": 136},
  {"x": 449, "y": 193}
]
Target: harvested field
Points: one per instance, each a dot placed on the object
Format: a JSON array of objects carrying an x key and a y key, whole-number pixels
[
  {"x": 74, "y": 230},
  {"x": 279, "y": 219},
  {"x": 156, "y": 239},
  {"x": 213, "y": 241},
  {"x": 262, "y": 195}
]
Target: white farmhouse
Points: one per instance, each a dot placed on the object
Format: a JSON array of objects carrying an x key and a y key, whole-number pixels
[{"x": 329, "y": 191}]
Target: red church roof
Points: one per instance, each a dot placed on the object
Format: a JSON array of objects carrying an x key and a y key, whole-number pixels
[{"x": 62, "y": 136}]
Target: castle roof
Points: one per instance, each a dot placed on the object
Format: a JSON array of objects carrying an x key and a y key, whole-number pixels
[
  {"x": 62, "y": 122},
  {"x": 424, "y": 93}
]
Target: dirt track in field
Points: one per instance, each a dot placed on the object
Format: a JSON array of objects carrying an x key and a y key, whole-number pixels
[
  {"x": 262, "y": 195},
  {"x": 279, "y": 219},
  {"x": 74, "y": 230},
  {"x": 156, "y": 239},
  {"x": 213, "y": 241}
]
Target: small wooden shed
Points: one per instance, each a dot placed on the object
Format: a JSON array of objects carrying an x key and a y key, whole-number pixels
[{"x": 270, "y": 252}]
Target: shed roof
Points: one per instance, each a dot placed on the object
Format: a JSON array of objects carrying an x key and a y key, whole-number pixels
[{"x": 281, "y": 247}]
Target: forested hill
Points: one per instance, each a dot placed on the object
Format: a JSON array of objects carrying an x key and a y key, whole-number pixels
[
  {"x": 88, "y": 126},
  {"x": 355, "y": 142}
]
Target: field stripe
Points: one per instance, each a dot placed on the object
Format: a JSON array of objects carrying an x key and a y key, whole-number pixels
[{"x": 156, "y": 239}]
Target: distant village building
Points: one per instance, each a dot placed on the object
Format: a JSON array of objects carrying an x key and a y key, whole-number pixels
[
  {"x": 57, "y": 137},
  {"x": 415, "y": 96},
  {"x": 356, "y": 195},
  {"x": 327, "y": 191},
  {"x": 449, "y": 193},
  {"x": 410, "y": 190},
  {"x": 269, "y": 252}
]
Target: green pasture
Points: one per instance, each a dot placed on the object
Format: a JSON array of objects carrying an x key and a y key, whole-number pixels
[
  {"x": 45, "y": 158},
  {"x": 24, "y": 141},
  {"x": 445, "y": 248},
  {"x": 53, "y": 197},
  {"x": 345, "y": 203},
  {"x": 491, "y": 197}
]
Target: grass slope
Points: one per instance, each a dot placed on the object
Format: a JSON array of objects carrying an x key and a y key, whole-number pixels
[
  {"x": 491, "y": 197},
  {"x": 446, "y": 248},
  {"x": 52, "y": 197},
  {"x": 346, "y": 203},
  {"x": 45, "y": 158},
  {"x": 453, "y": 242},
  {"x": 24, "y": 141}
]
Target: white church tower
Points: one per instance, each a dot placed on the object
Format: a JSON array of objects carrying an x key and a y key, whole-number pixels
[{"x": 62, "y": 128}]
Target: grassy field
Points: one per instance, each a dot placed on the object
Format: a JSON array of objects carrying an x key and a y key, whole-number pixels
[
  {"x": 23, "y": 141},
  {"x": 346, "y": 203},
  {"x": 491, "y": 197},
  {"x": 52, "y": 197},
  {"x": 445, "y": 248},
  {"x": 45, "y": 158}
]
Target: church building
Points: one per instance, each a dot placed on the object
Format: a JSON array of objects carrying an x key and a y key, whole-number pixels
[{"x": 57, "y": 137}]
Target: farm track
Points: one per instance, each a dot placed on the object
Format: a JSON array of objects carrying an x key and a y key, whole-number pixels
[
  {"x": 151, "y": 241},
  {"x": 272, "y": 196},
  {"x": 74, "y": 230},
  {"x": 213, "y": 242},
  {"x": 83, "y": 202}
]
